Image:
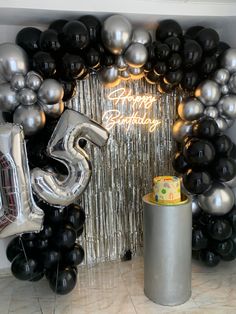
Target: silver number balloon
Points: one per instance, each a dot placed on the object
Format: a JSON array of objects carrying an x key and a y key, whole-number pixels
[
  {"x": 218, "y": 200},
  {"x": 20, "y": 213},
  {"x": 136, "y": 55},
  {"x": 190, "y": 109},
  {"x": 228, "y": 60},
  {"x": 208, "y": 92},
  {"x": 63, "y": 146}
]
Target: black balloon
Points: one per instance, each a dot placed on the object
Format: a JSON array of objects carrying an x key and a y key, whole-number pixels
[
  {"x": 65, "y": 237},
  {"x": 69, "y": 88},
  {"x": 224, "y": 169},
  {"x": 192, "y": 53},
  {"x": 223, "y": 144},
  {"x": 71, "y": 66},
  {"x": 179, "y": 163},
  {"x": 174, "y": 62},
  {"x": 223, "y": 248},
  {"x": 82, "y": 142},
  {"x": 196, "y": 182},
  {"x": 208, "y": 38},
  {"x": 92, "y": 57},
  {"x": 75, "y": 216},
  {"x": 49, "y": 41},
  {"x": 199, "y": 240},
  {"x": 75, "y": 256},
  {"x": 148, "y": 66},
  {"x": 209, "y": 258},
  {"x": 44, "y": 64},
  {"x": 219, "y": 229},
  {"x": 58, "y": 25},
  {"x": 54, "y": 215},
  {"x": 231, "y": 217},
  {"x": 174, "y": 43},
  {"x": 152, "y": 77},
  {"x": 173, "y": 77},
  {"x": 46, "y": 232},
  {"x": 205, "y": 128},
  {"x": 164, "y": 88},
  {"x": 36, "y": 150},
  {"x": 208, "y": 65},
  {"x": 192, "y": 31},
  {"x": 29, "y": 236},
  {"x": 93, "y": 26},
  {"x": 26, "y": 268},
  {"x": 28, "y": 39},
  {"x": 162, "y": 51},
  {"x": 160, "y": 68},
  {"x": 63, "y": 281},
  {"x": 50, "y": 258},
  {"x": 168, "y": 28},
  {"x": 222, "y": 46},
  {"x": 190, "y": 80},
  {"x": 14, "y": 247},
  {"x": 199, "y": 152},
  {"x": 42, "y": 244}
]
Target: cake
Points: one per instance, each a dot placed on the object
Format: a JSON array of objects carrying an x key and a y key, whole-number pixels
[{"x": 167, "y": 190}]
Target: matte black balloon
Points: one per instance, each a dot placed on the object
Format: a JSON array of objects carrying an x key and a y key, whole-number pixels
[
  {"x": 174, "y": 43},
  {"x": 192, "y": 53},
  {"x": 152, "y": 78},
  {"x": 209, "y": 258},
  {"x": 72, "y": 66},
  {"x": 224, "y": 169},
  {"x": 28, "y": 39},
  {"x": 160, "y": 68},
  {"x": 75, "y": 216},
  {"x": 74, "y": 36},
  {"x": 168, "y": 28},
  {"x": 219, "y": 229},
  {"x": 174, "y": 62},
  {"x": 208, "y": 38},
  {"x": 14, "y": 247},
  {"x": 46, "y": 232},
  {"x": 173, "y": 77},
  {"x": 49, "y": 41},
  {"x": 25, "y": 269},
  {"x": 69, "y": 88},
  {"x": 222, "y": 46},
  {"x": 199, "y": 240},
  {"x": 50, "y": 258},
  {"x": 192, "y": 31},
  {"x": 65, "y": 237},
  {"x": 75, "y": 256},
  {"x": 179, "y": 163},
  {"x": 196, "y": 182},
  {"x": 92, "y": 57},
  {"x": 44, "y": 64},
  {"x": 205, "y": 128},
  {"x": 199, "y": 152},
  {"x": 63, "y": 282},
  {"x": 223, "y": 144},
  {"x": 162, "y": 51},
  {"x": 208, "y": 65},
  {"x": 93, "y": 26},
  {"x": 58, "y": 25},
  {"x": 224, "y": 248},
  {"x": 190, "y": 80}
]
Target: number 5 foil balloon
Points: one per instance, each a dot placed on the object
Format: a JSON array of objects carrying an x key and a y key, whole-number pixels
[
  {"x": 19, "y": 212},
  {"x": 63, "y": 146}
]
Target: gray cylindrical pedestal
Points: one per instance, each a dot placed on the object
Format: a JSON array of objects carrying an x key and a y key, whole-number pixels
[{"x": 167, "y": 252}]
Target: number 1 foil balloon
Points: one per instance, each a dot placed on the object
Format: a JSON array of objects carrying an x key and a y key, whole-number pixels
[
  {"x": 63, "y": 146},
  {"x": 19, "y": 212}
]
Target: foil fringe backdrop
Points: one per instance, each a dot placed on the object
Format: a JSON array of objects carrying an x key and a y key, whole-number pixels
[{"x": 123, "y": 170}]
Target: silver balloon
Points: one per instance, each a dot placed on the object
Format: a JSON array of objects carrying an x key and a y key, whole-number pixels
[
  {"x": 181, "y": 129},
  {"x": 208, "y": 92},
  {"x": 120, "y": 63},
  {"x": 142, "y": 36},
  {"x": 224, "y": 89},
  {"x": 218, "y": 200},
  {"x": 27, "y": 97},
  {"x": 221, "y": 76},
  {"x": 116, "y": 33},
  {"x": 20, "y": 213},
  {"x": 136, "y": 73},
  {"x": 228, "y": 60},
  {"x": 222, "y": 124},
  {"x": 109, "y": 77},
  {"x": 13, "y": 59},
  {"x": 196, "y": 209},
  {"x": 211, "y": 112},
  {"x": 8, "y": 98},
  {"x": 32, "y": 118},
  {"x": 227, "y": 106},
  {"x": 190, "y": 109},
  {"x": 125, "y": 75},
  {"x": 50, "y": 92},
  {"x": 232, "y": 83},
  {"x": 229, "y": 122},
  {"x": 63, "y": 146},
  {"x": 231, "y": 183},
  {"x": 53, "y": 111},
  {"x": 18, "y": 82},
  {"x": 33, "y": 80},
  {"x": 136, "y": 55}
]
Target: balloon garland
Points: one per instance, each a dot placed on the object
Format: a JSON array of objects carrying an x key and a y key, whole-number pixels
[{"x": 43, "y": 75}]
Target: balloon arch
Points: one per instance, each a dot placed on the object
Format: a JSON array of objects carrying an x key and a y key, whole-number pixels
[{"x": 39, "y": 76}]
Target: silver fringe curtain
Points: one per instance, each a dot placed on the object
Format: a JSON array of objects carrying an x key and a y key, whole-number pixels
[{"x": 124, "y": 169}]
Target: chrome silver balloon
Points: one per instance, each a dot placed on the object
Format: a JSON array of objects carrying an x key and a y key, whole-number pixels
[
  {"x": 229, "y": 122},
  {"x": 232, "y": 83},
  {"x": 211, "y": 111},
  {"x": 208, "y": 92},
  {"x": 142, "y": 36},
  {"x": 33, "y": 80},
  {"x": 181, "y": 129},
  {"x": 224, "y": 89},
  {"x": 13, "y": 59},
  {"x": 50, "y": 92},
  {"x": 221, "y": 76},
  {"x": 8, "y": 98},
  {"x": 231, "y": 183},
  {"x": 125, "y": 75},
  {"x": 196, "y": 209},
  {"x": 190, "y": 109},
  {"x": 136, "y": 55},
  {"x": 218, "y": 200},
  {"x": 20, "y": 213},
  {"x": 120, "y": 63},
  {"x": 27, "y": 97},
  {"x": 228, "y": 60},
  {"x": 227, "y": 106},
  {"x": 116, "y": 33},
  {"x": 136, "y": 73},
  {"x": 222, "y": 124},
  {"x": 53, "y": 111},
  {"x": 63, "y": 146},
  {"x": 109, "y": 77},
  {"x": 18, "y": 82},
  {"x": 32, "y": 118}
]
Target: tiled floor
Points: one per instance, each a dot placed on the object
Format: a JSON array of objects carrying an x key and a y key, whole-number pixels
[{"x": 117, "y": 287}]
